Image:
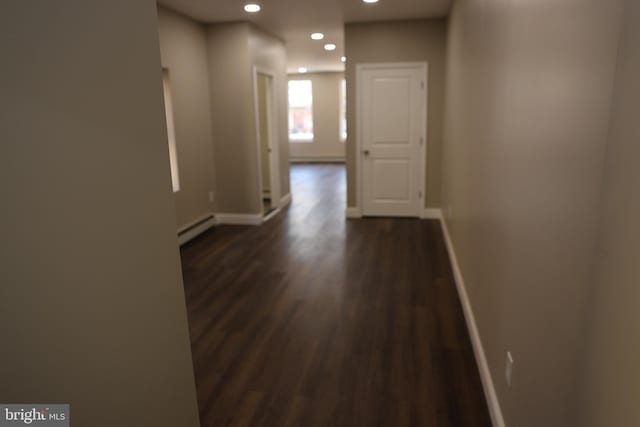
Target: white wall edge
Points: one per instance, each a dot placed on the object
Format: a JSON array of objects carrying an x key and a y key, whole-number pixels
[
  {"x": 239, "y": 219},
  {"x": 285, "y": 200},
  {"x": 431, "y": 213},
  {"x": 478, "y": 349},
  {"x": 353, "y": 213},
  {"x": 319, "y": 159},
  {"x": 196, "y": 228}
]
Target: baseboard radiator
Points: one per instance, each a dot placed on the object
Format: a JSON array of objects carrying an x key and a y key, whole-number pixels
[{"x": 194, "y": 230}]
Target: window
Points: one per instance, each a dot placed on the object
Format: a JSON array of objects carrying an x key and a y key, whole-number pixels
[
  {"x": 300, "y": 111},
  {"x": 343, "y": 110},
  {"x": 171, "y": 132}
]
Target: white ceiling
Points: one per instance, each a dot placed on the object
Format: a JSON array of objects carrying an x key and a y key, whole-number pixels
[{"x": 295, "y": 20}]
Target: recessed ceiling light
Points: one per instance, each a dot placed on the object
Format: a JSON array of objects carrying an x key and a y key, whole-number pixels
[
  {"x": 252, "y": 8},
  {"x": 329, "y": 46},
  {"x": 370, "y": 1},
  {"x": 302, "y": 70},
  {"x": 317, "y": 36},
  {"x": 343, "y": 59}
]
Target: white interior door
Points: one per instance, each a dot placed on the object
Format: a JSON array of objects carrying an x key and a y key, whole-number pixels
[{"x": 392, "y": 125}]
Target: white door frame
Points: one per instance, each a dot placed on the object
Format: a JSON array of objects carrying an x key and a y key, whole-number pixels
[
  {"x": 272, "y": 119},
  {"x": 360, "y": 68}
]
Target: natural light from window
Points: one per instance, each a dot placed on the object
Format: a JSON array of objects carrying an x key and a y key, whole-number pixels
[
  {"x": 300, "y": 111},
  {"x": 343, "y": 110},
  {"x": 171, "y": 132}
]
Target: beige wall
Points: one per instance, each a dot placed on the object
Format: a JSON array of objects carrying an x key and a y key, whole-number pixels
[
  {"x": 184, "y": 54},
  {"x": 611, "y": 383},
  {"x": 399, "y": 41},
  {"x": 230, "y": 82},
  {"x": 233, "y": 50},
  {"x": 92, "y": 301},
  {"x": 529, "y": 86},
  {"x": 270, "y": 54},
  {"x": 211, "y": 69},
  {"x": 326, "y": 143}
]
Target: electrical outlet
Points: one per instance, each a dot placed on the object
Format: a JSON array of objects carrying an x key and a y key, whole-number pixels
[
  {"x": 211, "y": 196},
  {"x": 508, "y": 370}
]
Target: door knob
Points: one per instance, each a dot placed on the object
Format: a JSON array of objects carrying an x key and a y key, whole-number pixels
[{"x": 365, "y": 152}]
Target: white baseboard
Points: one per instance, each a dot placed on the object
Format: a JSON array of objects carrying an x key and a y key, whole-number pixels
[
  {"x": 353, "y": 213},
  {"x": 316, "y": 159},
  {"x": 426, "y": 213},
  {"x": 196, "y": 228},
  {"x": 271, "y": 215},
  {"x": 431, "y": 213},
  {"x": 285, "y": 200},
  {"x": 485, "y": 374},
  {"x": 239, "y": 219}
]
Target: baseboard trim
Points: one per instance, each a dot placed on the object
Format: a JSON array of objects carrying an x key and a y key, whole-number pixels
[
  {"x": 485, "y": 374},
  {"x": 316, "y": 159},
  {"x": 197, "y": 227},
  {"x": 285, "y": 200},
  {"x": 353, "y": 213},
  {"x": 431, "y": 213},
  {"x": 238, "y": 219},
  {"x": 271, "y": 215},
  {"x": 426, "y": 213}
]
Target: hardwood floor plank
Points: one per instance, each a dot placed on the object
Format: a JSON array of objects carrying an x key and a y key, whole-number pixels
[{"x": 316, "y": 321}]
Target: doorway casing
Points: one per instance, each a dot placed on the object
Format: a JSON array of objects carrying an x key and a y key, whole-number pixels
[{"x": 272, "y": 120}]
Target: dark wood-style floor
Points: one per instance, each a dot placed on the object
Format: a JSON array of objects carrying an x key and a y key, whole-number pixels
[{"x": 314, "y": 320}]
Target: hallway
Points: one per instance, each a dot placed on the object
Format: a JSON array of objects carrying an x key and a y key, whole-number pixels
[{"x": 311, "y": 320}]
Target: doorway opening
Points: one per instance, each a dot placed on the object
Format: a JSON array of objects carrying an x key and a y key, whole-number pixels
[{"x": 267, "y": 142}]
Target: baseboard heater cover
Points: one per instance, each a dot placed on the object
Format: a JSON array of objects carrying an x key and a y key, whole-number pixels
[{"x": 195, "y": 229}]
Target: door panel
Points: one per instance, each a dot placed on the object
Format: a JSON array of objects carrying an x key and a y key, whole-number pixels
[
  {"x": 391, "y": 111},
  {"x": 391, "y": 180},
  {"x": 392, "y": 117}
]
